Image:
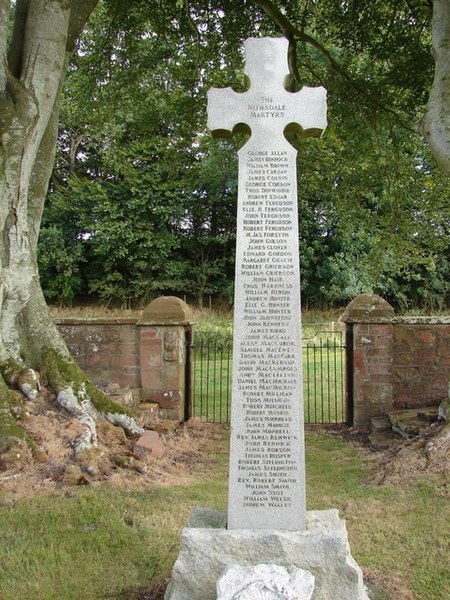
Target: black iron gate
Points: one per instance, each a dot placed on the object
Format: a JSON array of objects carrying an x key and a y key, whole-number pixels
[{"x": 323, "y": 375}]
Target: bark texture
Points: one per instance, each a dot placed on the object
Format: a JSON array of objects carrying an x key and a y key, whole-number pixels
[
  {"x": 32, "y": 68},
  {"x": 435, "y": 125},
  {"x": 30, "y": 101}
]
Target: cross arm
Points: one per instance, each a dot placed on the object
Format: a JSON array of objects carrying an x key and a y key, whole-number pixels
[
  {"x": 224, "y": 111},
  {"x": 308, "y": 115}
]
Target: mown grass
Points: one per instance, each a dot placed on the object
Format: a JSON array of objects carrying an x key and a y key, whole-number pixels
[
  {"x": 99, "y": 542},
  {"x": 104, "y": 543},
  {"x": 402, "y": 530}
]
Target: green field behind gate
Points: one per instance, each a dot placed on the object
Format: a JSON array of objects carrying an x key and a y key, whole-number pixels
[{"x": 323, "y": 373}]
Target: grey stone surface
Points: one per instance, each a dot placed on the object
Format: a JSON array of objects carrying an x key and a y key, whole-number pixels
[
  {"x": 207, "y": 518},
  {"x": 264, "y": 582},
  {"x": 267, "y": 485},
  {"x": 322, "y": 549}
]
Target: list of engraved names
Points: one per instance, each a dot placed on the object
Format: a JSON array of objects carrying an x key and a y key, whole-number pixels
[{"x": 267, "y": 360}]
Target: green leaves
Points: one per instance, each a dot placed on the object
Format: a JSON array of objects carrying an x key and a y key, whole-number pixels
[{"x": 145, "y": 201}]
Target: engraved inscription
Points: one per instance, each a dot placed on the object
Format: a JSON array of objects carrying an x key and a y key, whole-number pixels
[
  {"x": 267, "y": 365},
  {"x": 267, "y": 488}
]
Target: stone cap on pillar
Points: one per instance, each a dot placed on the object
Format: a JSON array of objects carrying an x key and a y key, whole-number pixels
[
  {"x": 368, "y": 308},
  {"x": 167, "y": 310}
]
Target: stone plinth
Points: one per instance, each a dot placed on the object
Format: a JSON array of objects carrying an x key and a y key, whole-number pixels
[
  {"x": 163, "y": 332},
  {"x": 369, "y": 321},
  {"x": 207, "y": 549}
]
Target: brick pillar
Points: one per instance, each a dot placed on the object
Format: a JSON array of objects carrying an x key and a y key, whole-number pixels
[
  {"x": 164, "y": 331},
  {"x": 369, "y": 322}
]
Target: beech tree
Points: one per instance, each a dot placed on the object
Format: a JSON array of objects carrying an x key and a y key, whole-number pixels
[
  {"x": 32, "y": 70},
  {"x": 435, "y": 125}
]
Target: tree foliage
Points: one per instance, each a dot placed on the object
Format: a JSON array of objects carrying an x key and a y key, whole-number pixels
[
  {"x": 145, "y": 203},
  {"x": 142, "y": 203}
]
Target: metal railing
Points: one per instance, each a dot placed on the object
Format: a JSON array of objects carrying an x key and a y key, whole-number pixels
[{"x": 323, "y": 360}]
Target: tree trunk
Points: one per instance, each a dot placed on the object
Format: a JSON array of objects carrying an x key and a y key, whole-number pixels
[
  {"x": 28, "y": 139},
  {"x": 435, "y": 125},
  {"x": 31, "y": 78}
]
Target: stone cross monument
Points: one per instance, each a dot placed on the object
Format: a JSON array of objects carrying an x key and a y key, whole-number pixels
[
  {"x": 268, "y": 547},
  {"x": 267, "y": 481}
]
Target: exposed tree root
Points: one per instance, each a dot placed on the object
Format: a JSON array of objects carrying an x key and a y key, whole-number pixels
[
  {"x": 79, "y": 397},
  {"x": 74, "y": 393},
  {"x": 413, "y": 458},
  {"x": 24, "y": 379}
]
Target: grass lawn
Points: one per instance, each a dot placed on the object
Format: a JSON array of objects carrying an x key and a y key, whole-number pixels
[{"x": 101, "y": 542}]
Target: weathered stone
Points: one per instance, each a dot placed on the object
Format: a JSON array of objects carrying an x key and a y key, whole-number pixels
[
  {"x": 379, "y": 424},
  {"x": 125, "y": 461},
  {"x": 322, "y": 549},
  {"x": 429, "y": 414},
  {"x": 410, "y": 421},
  {"x": 264, "y": 582},
  {"x": 150, "y": 443},
  {"x": 125, "y": 396},
  {"x": 368, "y": 308},
  {"x": 148, "y": 413},
  {"x": 267, "y": 487},
  {"x": 163, "y": 364},
  {"x": 172, "y": 351},
  {"x": 167, "y": 309}
]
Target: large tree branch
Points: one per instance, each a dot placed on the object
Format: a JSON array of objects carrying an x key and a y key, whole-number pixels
[
  {"x": 16, "y": 45},
  {"x": 5, "y": 7},
  {"x": 44, "y": 49},
  {"x": 79, "y": 14},
  {"x": 43, "y": 65},
  {"x": 42, "y": 170},
  {"x": 435, "y": 125},
  {"x": 292, "y": 33}
]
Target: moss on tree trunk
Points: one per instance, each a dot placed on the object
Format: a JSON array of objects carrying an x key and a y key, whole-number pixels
[
  {"x": 15, "y": 444},
  {"x": 81, "y": 398}
]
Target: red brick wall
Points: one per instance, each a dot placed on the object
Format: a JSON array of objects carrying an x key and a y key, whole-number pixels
[
  {"x": 148, "y": 357},
  {"x": 398, "y": 362},
  {"x": 108, "y": 350},
  {"x": 421, "y": 361},
  {"x": 372, "y": 364}
]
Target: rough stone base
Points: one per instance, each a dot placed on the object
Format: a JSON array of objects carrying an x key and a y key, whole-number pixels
[{"x": 208, "y": 548}]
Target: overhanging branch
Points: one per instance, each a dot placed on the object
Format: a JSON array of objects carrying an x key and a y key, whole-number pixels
[
  {"x": 16, "y": 46},
  {"x": 294, "y": 34},
  {"x": 79, "y": 14}
]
